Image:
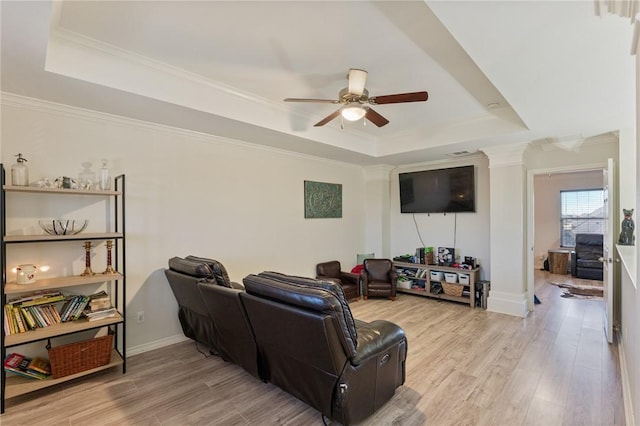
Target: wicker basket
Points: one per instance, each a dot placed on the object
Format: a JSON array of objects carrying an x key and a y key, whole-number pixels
[
  {"x": 80, "y": 356},
  {"x": 452, "y": 289}
]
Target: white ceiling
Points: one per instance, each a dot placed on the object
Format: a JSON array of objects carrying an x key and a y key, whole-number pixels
[{"x": 496, "y": 72}]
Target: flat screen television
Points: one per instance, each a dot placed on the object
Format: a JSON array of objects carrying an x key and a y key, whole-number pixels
[{"x": 449, "y": 190}]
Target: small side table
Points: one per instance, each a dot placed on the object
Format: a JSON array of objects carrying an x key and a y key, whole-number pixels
[{"x": 559, "y": 261}]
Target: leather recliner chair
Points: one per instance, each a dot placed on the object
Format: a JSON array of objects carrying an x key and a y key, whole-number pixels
[
  {"x": 379, "y": 278},
  {"x": 313, "y": 348},
  {"x": 585, "y": 260},
  {"x": 332, "y": 271},
  {"x": 236, "y": 342},
  {"x": 183, "y": 276},
  {"x": 210, "y": 310}
]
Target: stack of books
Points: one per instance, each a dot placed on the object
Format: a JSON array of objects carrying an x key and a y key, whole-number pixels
[
  {"x": 100, "y": 307},
  {"x": 36, "y": 368}
]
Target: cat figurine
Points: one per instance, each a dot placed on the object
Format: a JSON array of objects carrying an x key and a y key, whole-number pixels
[{"x": 626, "y": 234}]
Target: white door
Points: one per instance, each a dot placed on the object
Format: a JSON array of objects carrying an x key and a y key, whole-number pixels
[{"x": 608, "y": 248}]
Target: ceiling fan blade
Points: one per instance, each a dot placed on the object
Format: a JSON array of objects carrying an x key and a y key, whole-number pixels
[
  {"x": 399, "y": 98},
  {"x": 376, "y": 118},
  {"x": 327, "y": 119},
  {"x": 324, "y": 101},
  {"x": 357, "y": 79}
]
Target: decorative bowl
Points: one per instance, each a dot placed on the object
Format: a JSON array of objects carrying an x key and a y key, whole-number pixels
[{"x": 63, "y": 226}]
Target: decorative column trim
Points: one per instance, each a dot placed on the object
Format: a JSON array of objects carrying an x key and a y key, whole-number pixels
[{"x": 506, "y": 155}]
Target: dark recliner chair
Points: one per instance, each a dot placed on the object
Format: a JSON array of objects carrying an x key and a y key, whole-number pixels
[
  {"x": 379, "y": 278},
  {"x": 585, "y": 262},
  {"x": 236, "y": 342},
  {"x": 313, "y": 348},
  {"x": 332, "y": 271},
  {"x": 183, "y": 276},
  {"x": 210, "y": 310}
]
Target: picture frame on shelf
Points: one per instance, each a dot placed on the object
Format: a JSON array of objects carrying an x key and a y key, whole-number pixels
[{"x": 446, "y": 256}]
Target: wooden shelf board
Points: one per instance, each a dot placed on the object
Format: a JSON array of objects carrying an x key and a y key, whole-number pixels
[
  {"x": 59, "y": 330},
  {"x": 461, "y": 299},
  {"x": 59, "y": 282},
  {"x": 47, "y": 238},
  {"x": 17, "y": 385},
  {"x": 433, "y": 267},
  {"x": 11, "y": 188}
]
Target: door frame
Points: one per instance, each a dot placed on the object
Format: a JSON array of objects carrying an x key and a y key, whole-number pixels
[{"x": 530, "y": 219}]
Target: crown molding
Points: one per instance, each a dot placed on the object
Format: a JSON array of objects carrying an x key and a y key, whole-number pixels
[
  {"x": 127, "y": 56},
  {"x": 13, "y": 100},
  {"x": 455, "y": 161},
  {"x": 84, "y": 58},
  {"x": 575, "y": 143}
]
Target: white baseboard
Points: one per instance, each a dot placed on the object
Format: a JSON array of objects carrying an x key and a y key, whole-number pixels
[
  {"x": 157, "y": 344},
  {"x": 626, "y": 389},
  {"x": 508, "y": 303}
]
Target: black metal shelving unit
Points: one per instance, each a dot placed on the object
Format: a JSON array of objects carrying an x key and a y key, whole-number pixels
[{"x": 15, "y": 386}]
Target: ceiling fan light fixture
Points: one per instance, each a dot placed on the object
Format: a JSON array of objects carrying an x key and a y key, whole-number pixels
[
  {"x": 353, "y": 112},
  {"x": 355, "y": 101}
]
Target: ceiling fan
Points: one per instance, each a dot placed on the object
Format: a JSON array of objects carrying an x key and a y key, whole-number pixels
[{"x": 356, "y": 102}]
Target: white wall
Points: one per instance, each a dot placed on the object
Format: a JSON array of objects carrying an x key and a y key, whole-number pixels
[
  {"x": 629, "y": 337},
  {"x": 470, "y": 231},
  {"x": 628, "y": 184},
  {"x": 186, "y": 194},
  {"x": 547, "y": 189}
]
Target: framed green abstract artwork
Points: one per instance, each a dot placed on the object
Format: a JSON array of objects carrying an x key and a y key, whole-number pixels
[{"x": 322, "y": 200}]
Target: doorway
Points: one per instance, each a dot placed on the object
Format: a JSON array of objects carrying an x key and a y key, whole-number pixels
[{"x": 544, "y": 230}]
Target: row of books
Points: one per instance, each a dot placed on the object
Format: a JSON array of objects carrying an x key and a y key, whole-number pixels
[
  {"x": 33, "y": 368},
  {"x": 19, "y": 318},
  {"x": 46, "y": 308},
  {"x": 73, "y": 308}
]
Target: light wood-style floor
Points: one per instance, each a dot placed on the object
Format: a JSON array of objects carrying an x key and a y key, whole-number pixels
[{"x": 464, "y": 367}]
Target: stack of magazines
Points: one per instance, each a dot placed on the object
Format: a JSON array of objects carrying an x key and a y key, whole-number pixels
[{"x": 36, "y": 368}]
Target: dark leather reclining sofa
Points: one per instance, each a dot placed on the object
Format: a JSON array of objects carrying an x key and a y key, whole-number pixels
[{"x": 296, "y": 333}]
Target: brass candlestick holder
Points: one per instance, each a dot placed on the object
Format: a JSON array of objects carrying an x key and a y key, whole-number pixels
[
  {"x": 87, "y": 260},
  {"x": 109, "y": 269}
]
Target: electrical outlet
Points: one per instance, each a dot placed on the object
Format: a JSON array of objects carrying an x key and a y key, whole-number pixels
[{"x": 140, "y": 316}]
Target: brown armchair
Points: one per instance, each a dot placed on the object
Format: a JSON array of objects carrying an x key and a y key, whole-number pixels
[
  {"x": 349, "y": 282},
  {"x": 379, "y": 278}
]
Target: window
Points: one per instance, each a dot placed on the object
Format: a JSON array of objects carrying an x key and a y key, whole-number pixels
[{"x": 581, "y": 212}]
